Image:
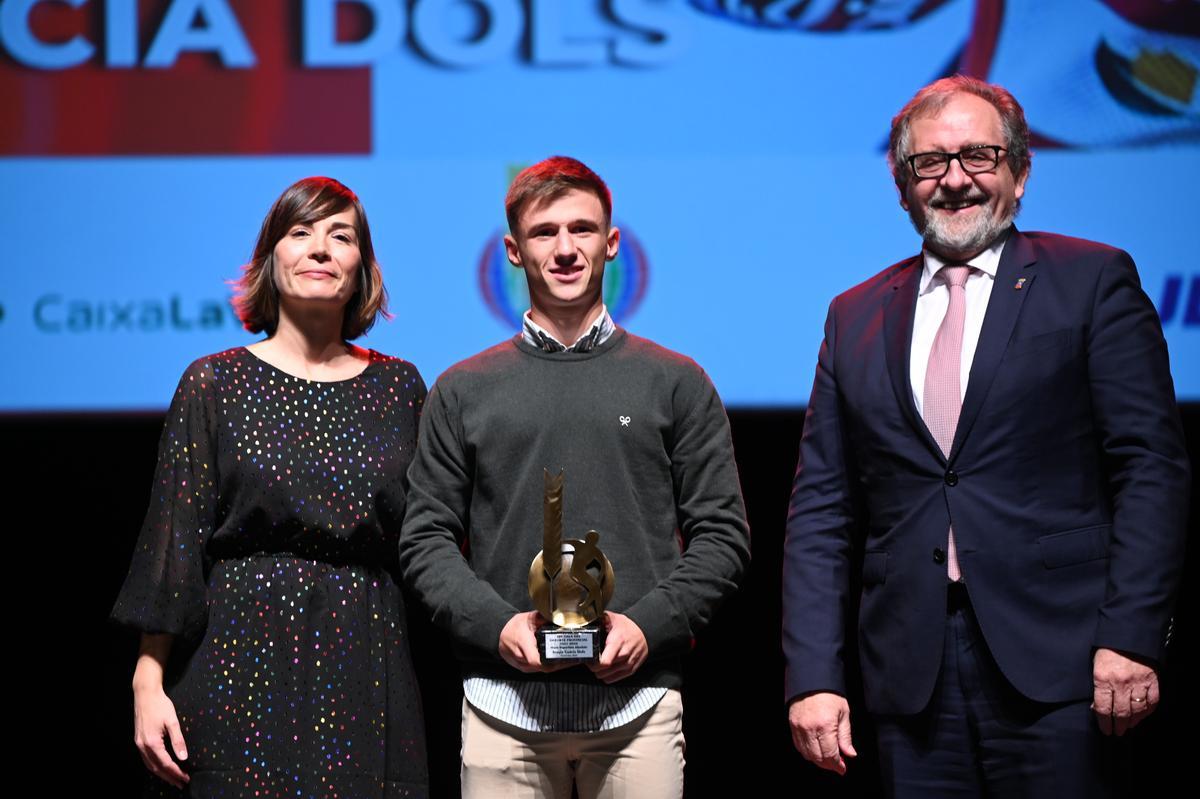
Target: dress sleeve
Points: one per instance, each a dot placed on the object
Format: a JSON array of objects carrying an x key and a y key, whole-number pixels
[
  {"x": 391, "y": 501},
  {"x": 165, "y": 591}
]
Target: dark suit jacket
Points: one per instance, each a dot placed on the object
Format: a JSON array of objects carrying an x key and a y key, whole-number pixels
[{"x": 1067, "y": 483}]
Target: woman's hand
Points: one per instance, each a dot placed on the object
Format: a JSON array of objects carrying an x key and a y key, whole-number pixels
[{"x": 154, "y": 718}]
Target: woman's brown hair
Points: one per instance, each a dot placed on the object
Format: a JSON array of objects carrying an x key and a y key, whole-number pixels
[{"x": 256, "y": 299}]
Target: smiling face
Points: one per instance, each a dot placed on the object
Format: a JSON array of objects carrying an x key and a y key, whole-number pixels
[
  {"x": 562, "y": 244},
  {"x": 317, "y": 263},
  {"x": 959, "y": 214}
]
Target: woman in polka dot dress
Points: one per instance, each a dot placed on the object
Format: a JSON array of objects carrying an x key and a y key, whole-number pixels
[{"x": 274, "y": 655}]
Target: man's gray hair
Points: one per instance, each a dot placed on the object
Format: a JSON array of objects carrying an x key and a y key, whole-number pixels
[{"x": 930, "y": 100}]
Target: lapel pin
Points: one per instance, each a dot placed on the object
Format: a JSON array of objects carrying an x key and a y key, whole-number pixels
[{"x": 1020, "y": 284}]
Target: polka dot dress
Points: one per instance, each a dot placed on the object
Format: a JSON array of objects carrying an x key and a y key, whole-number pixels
[{"x": 269, "y": 550}]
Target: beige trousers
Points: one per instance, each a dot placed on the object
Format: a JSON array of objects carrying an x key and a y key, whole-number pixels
[{"x": 641, "y": 759}]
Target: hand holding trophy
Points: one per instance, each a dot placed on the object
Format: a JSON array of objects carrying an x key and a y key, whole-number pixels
[{"x": 570, "y": 583}]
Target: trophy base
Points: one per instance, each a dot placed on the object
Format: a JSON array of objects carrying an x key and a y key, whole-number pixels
[{"x": 571, "y": 644}]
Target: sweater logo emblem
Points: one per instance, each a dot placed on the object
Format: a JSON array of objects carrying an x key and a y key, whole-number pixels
[{"x": 624, "y": 421}]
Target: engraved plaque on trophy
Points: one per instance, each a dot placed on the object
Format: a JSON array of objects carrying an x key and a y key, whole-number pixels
[{"x": 570, "y": 583}]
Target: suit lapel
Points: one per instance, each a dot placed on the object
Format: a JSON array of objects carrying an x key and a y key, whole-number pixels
[
  {"x": 1014, "y": 277},
  {"x": 899, "y": 309}
]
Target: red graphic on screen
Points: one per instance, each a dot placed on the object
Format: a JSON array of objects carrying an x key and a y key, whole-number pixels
[{"x": 196, "y": 106}]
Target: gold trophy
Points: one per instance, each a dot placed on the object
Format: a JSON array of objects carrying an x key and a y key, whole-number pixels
[{"x": 570, "y": 583}]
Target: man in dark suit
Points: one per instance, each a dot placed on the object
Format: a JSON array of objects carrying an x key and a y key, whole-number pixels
[{"x": 993, "y": 441}]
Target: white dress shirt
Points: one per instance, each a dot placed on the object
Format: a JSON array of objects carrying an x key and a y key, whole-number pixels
[{"x": 932, "y": 299}]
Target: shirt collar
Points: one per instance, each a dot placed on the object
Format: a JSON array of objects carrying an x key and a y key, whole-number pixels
[
  {"x": 986, "y": 262},
  {"x": 599, "y": 331}
]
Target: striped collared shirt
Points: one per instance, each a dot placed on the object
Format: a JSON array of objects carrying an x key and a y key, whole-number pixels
[{"x": 597, "y": 333}]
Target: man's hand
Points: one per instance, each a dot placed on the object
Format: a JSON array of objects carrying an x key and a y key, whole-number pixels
[
  {"x": 625, "y": 649},
  {"x": 1125, "y": 691},
  {"x": 821, "y": 730},
  {"x": 518, "y": 646}
]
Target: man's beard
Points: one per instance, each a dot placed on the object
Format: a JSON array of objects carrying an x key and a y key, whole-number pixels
[{"x": 958, "y": 238}]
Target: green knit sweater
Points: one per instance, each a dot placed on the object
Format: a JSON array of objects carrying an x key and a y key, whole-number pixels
[{"x": 645, "y": 445}]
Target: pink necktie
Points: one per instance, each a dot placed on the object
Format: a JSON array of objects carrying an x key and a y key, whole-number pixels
[{"x": 942, "y": 400}]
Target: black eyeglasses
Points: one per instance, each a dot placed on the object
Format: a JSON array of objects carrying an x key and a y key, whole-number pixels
[{"x": 973, "y": 160}]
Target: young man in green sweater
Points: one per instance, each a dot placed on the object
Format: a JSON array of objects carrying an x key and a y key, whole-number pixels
[{"x": 645, "y": 446}]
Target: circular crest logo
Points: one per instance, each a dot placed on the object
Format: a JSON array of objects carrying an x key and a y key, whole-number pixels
[{"x": 507, "y": 296}]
